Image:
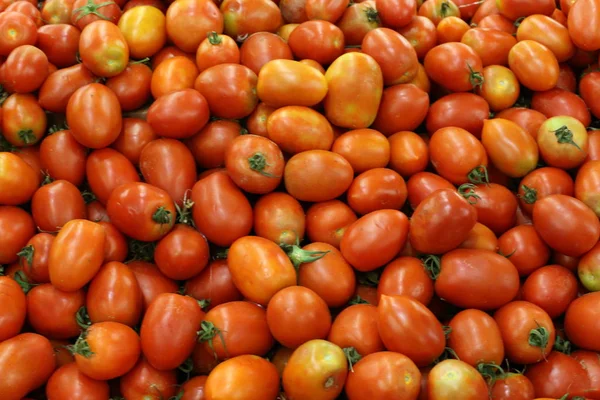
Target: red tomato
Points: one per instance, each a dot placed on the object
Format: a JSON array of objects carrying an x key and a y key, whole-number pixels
[
  {"x": 548, "y": 32},
  {"x": 534, "y": 64},
  {"x": 193, "y": 389},
  {"x": 182, "y": 253},
  {"x": 396, "y": 13},
  {"x": 454, "y": 66},
  {"x": 217, "y": 49},
  {"x": 527, "y": 331},
  {"x": 356, "y": 327},
  {"x": 525, "y": 248},
  {"x": 69, "y": 381},
  {"x": 421, "y": 33},
  {"x": 496, "y": 207},
  {"x": 543, "y": 182},
  {"x": 215, "y": 283},
  {"x": 87, "y": 11},
  {"x": 399, "y": 63},
  {"x": 55, "y": 204},
  {"x": 14, "y": 309},
  {"x": 245, "y": 17},
  {"x": 151, "y": 281},
  {"x": 25, "y": 69},
  {"x": 295, "y": 129},
  {"x": 408, "y": 153},
  {"x": 406, "y": 276},
  {"x": 143, "y": 380},
  {"x": 326, "y": 10},
  {"x": 209, "y": 145},
  {"x": 34, "y": 258},
  {"x": 166, "y": 118},
  {"x": 328, "y": 221},
  {"x": 63, "y": 157},
  {"x": 405, "y": 325},
  {"x": 514, "y": 9},
  {"x": 358, "y": 20},
  {"x": 500, "y": 87},
  {"x": 480, "y": 237},
  {"x": 16, "y": 29},
  {"x": 512, "y": 386},
  {"x": 591, "y": 363},
  {"x": 364, "y": 149},
  {"x": 552, "y": 288},
  {"x": 23, "y": 120},
  {"x": 27, "y": 361},
  {"x": 189, "y": 22},
  {"x": 115, "y": 245},
  {"x": 475, "y": 338},
  {"x": 560, "y": 102},
  {"x": 587, "y": 89},
  {"x": 320, "y": 41},
  {"x": 173, "y": 74},
  {"x": 570, "y": 377},
  {"x": 262, "y": 47},
  {"x": 528, "y": 119},
  {"x": 134, "y": 136},
  {"x": 16, "y": 228},
  {"x": 581, "y": 325},
  {"x": 132, "y": 86},
  {"x": 57, "y": 11},
  {"x": 454, "y": 378},
  {"x": 58, "y": 88},
  {"x": 280, "y": 218},
  {"x": 107, "y": 169},
  {"x": 103, "y": 49},
  {"x": 586, "y": 185},
  {"x": 583, "y": 15},
  {"x": 403, "y": 108}
]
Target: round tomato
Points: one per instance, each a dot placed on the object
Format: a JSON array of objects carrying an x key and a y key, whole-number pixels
[
  {"x": 356, "y": 327},
  {"x": 582, "y": 24},
  {"x": 69, "y": 381},
  {"x": 543, "y": 182},
  {"x": 217, "y": 49},
  {"x": 403, "y": 108},
  {"x": 23, "y": 120},
  {"x": 55, "y": 204},
  {"x": 421, "y": 33},
  {"x": 496, "y": 206},
  {"x": 144, "y": 30},
  {"x": 60, "y": 43},
  {"x": 16, "y": 228},
  {"x": 87, "y": 11},
  {"x": 377, "y": 189},
  {"x": 132, "y": 86},
  {"x": 357, "y": 20},
  {"x": 525, "y": 248},
  {"x": 364, "y": 149},
  {"x": 569, "y": 377},
  {"x": 458, "y": 110},
  {"x": 328, "y": 221},
  {"x": 14, "y": 308},
  {"x": 552, "y": 288},
  {"x": 512, "y": 386},
  {"x": 188, "y": 22},
  {"x": 500, "y": 87},
  {"x": 25, "y": 69},
  {"x": 60, "y": 322},
  {"x": 16, "y": 30},
  {"x": 316, "y": 40},
  {"x": 245, "y": 17},
  {"x": 295, "y": 129},
  {"x": 173, "y": 74},
  {"x": 182, "y": 253},
  {"x": 454, "y": 66},
  {"x": 563, "y": 142}
]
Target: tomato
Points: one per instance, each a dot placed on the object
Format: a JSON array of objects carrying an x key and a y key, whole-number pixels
[
  {"x": 581, "y": 326},
  {"x": 245, "y": 17},
  {"x": 534, "y": 64},
  {"x": 87, "y": 11},
  {"x": 587, "y": 89},
  {"x": 396, "y": 13},
  {"x": 34, "y": 257},
  {"x": 107, "y": 169},
  {"x": 286, "y": 82},
  {"x": 230, "y": 216},
  {"x": 94, "y": 116},
  {"x": 509, "y": 147},
  {"x": 61, "y": 321},
  {"x": 217, "y": 49},
  {"x": 16, "y": 30},
  {"x": 28, "y": 362},
  {"x": 295, "y": 129},
  {"x": 512, "y": 386},
  {"x": 356, "y": 327},
  {"x": 409, "y": 153},
  {"x": 587, "y": 269},
  {"x": 246, "y": 377},
  {"x": 527, "y": 331},
  {"x": 259, "y": 284},
  {"x": 552, "y": 288},
  {"x": 328, "y": 221},
  {"x": 364, "y": 149},
  {"x": 326, "y": 10},
  {"x": 60, "y": 43},
  {"x": 583, "y": 15},
  {"x": 173, "y": 74},
  {"x": 593, "y": 145},
  {"x": 151, "y": 281},
  {"x": 280, "y": 218},
  {"x": 144, "y": 29},
  {"x": 451, "y": 29},
  {"x": 480, "y": 237},
  {"x": 403, "y": 108},
  {"x": 421, "y": 33},
  {"x": 454, "y": 66},
  {"x": 25, "y": 69},
  {"x": 475, "y": 338},
  {"x": 566, "y": 78},
  {"x": 55, "y": 204},
  {"x": 69, "y": 381},
  {"x": 57, "y": 11},
  {"x": 437, "y": 10},
  {"x": 169, "y": 52},
  {"x": 58, "y": 88},
  {"x": 375, "y": 239},
  {"x": 571, "y": 377},
  {"x": 500, "y": 87},
  {"x": 63, "y": 157},
  {"x": 591, "y": 363},
  {"x": 166, "y": 122},
  {"x": 563, "y": 142},
  {"x": 496, "y": 206},
  {"x": 548, "y": 32},
  {"x": 408, "y": 319},
  {"x": 182, "y": 253},
  {"x": 14, "y": 309},
  {"x": 528, "y": 119},
  {"x": 103, "y": 49},
  {"x": 188, "y": 22},
  {"x": 450, "y": 111},
  {"x": 576, "y": 234},
  {"x": 236, "y": 328},
  {"x": 143, "y": 380},
  {"x": 559, "y": 102},
  {"x": 543, "y": 182},
  {"x": 132, "y": 86},
  {"x": 31, "y": 155},
  {"x": 170, "y": 324},
  {"x": 377, "y": 189},
  {"x": 107, "y": 350},
  {"x": 586, "y": 185},
  {"x": 406, "y": 276},
  {"x": 262, "y": 47},
  {"x": 525, "y": 248},
  {"x": 18, "y": 178},
  {"x": 115, "y": 245},
  {"x": 358, "y": 20},
  {"x": 193, "y": 389},
  {"x": 455, "y": 219},
  {"x": 135, "y": 134},
  {"x": 97, "y": 212},
  {"x": 209, "y": 145},
  {"x": 453, "y": 379},
  {"x": 399, "y": 62},
  {"x": 23, "y": 120},
  {"x": 16, "y": 228},
  {"x": 24, "y": 7},
  {"x": 214, "y": 283},
  {"x": 514, "y": 9}
]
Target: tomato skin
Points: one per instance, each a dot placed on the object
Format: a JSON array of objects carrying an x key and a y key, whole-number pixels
[
  {"x": 591, "y": 363},
  {"x": 25, "y": 69},
  {"x": 76, "y": 254},
  {"x": 527, "y": 249},
  {"x": 398, "y": 100},
  {"x": 459, "y": 63},
  {"x": 356, "y": 326},
  {"x": 135, "y": 134},
  {"x": 69, "y": 381},
  {"x": 320, "y": 41},
  {"x": 580, "y": 15},
  {"x": 516, "y": 321},
  {"x": 573, "y": 236},
  {"x": 500, "y": 87},
  {"x": 209, "y": 145},
  {"x": 152, "y": 282},
  {"x": 534, "y": 64},
  {"x": 526, "y": 118},
  {"x": 230, "y": 216},
  {"x": 409, "y": 153},
  {"x": 548, "y": 32},
  {"x": 173, "y": 74},
  {"x": 141, "y": 211},
  {"x": 296, "y": 129},
  {"x": 480, "y": 237},
  {"x": 396, "y": 13},
  {"x": 280, "y": 218},
  {"x": 588, "y": 86},
  {"x": 103, "y": 49},
  {"x": 144, "y": 29},
  {"x": 571, "y": 377},
  {"x": 132, "y": 86},
  {"x": 215, "y": 283},
  {"x": 325, "y": 10},
  {"x": 543, "y": 182},
  {"x": 256, "y": 284},
  {"x": 496, "y": 207},
  {"x": 476, "y": 338},
  {"x": 80, "y": 17},
  {"x": 262, "y": 47},
  {"x": 35, "y": 260},
  {"x": 182, "y": 253},
  {"x": 23, "y": 120},
  {"x": 245, "y": 17},
  {"x": 60, "y": 322},
  {"x": 586, "y": 185},
  {"x": 449, "y": 111},
  {"x": 260, "y": 380},
  {"x": 399, "y": 63},
  {"x": 55, "y": 204},
  {"x": 406, "y": 276},
  {"x": 509, "y": 147},
  {"x": 513, "y": 387},
  {"x": 115, "y": 245},
  {"x": 189, "y": 22},
  {"x": 455, "y": 379},
  {"x": 421, "y": 33},
  {"x": 94, "y": 116},
  {"x": 559, "y": 102},
  {"x": 14, "y": 308},
  {"x": 107, "y": 169},
  {"x": 495, "y": 274},
  {"x": 16, "y": 228},
  {"x": 559, "y": 151},
  {"x": 217, "y": 49},
  {"x": 552, "y": 288},
  {"x": 60, "y": 43},
  {"x": 63, "y": 157},
  {"x": 317, "y": 175},
  {"x": 406, "y": 318},
  {"x": 18, "y": 357},
  {"x": 290, "y": 83},
  {"x": 177, "y": 125},
  {"x": 514, "y": 9},
  {"x": 58, "y": 88},
  {"x": 364, "y": 149},
  {"x": 434, "y": 236},
  {"x": 375, "y": 239},
  {"x": 328, "y": 221},
  {"x": 358, "y": 20},
  {"x": 581, "y": 326},
  {"x": 144, "y": 380},
  {"x": 17, "y": 30},
  {"x": 193, "y": 389},
  {"x": 377, "y": 189}
]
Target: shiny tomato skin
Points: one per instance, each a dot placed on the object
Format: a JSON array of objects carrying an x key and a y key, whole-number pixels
[
  {"x": 409, "y": 153},
  {"x": 81, "y": 17},
  {"x": 28, "y": 362},
  {"x": 214, "y": 283},
  {"x": 262, "y": 47},
  {"x": 16, "y": 228},
  {"x": 514, "y": 9},
  {"x": 481, "y": 237},
  {"x": 144, "y": 30},
  {"x": 170, "y": 323},
  {"x": 17, "y": 29},
  {"x": 189, "y": 22},
  {"x": 69, "y": 381},
  {"x": 527, "y": 249},
  {"x": 245, "y": 17},
  {"x": 94, "y": 116},
  {"x": 25, "y": 69},
  {"x": 492, "y": 45},
  {"x": 107, "y": 169},
  {"x": 356, "y": 326},
  {"x": 217, "y": 49},
  {"x": 582, "y": 15},
  {"x": 260, "y": 380},
  {"x": 517, "y": 320},
  {"x": 563, "y": 142},
  {"x": 513, "y": 386},
  {"x": 132, "y": 86},
  {"x": 20, "y": 180},
  {"x": 552, "y": 288},
  {"x": 35, "y": 260},
  {"x": 496, "y": 207},
  {"x": 543, "y": 182},
  {"x": 182, "y": 253},
  {"x": 76, "y": 254},
  {"x": 454, "y": 378},
  {"x": 526, "y": 118},
  {"x": 495, "y": 274},
  {"x": 571, "y": 376},
  {"x": 328, "y": 221},
  {"x": 295, "y": 129},
  {"x": 408, "y": 319},
  {"x": 221, "y": 211},
  {"x": 58, "y": 88},
  {"x": 152, "y": 282},
  {"x": 421, "y": 33},
  {"x": 23, "y": 120},
  {"x": 586, "y": 185},
  {"x": 14, "y": 308},
  {"x": 377, "y": 189},
  {"x": 559, "y": 102},
  {"x": 396, "y": 13},
  {"x": 501, "y": 88},
  {"x": 452, "y": 65},
  {"x": 364, "y": 149},
  {"x": 399, "y": 63},
  {"x": 396, "y": 101},
  {"x": 406, "y": 276},
  {"x": 581, "y": 324},
  {"x": 55, "y": 204},
  {"x": 357, "y": 20},
  {"x": 325, "y": 10},
  {"x": 375, "y": 239},
  {"x": 167, "y": 123},
  {"x": 548, "y": 32},
  {"x": 320, "y": 41},
  {"x": 63, "y": 157},
  {"x": 103, "y": 48},
  {"x": 115, "y": 245},
  {"x": 143, "y": 380},
  {"x": 209, "y": 145},
  {"x": 449, "y": 111},
  {"x": 280, "y": 218},
  {"x": 534, "y": 64},
  {"x": 61, "y": 321},
  {"x": 476, "y": 338},
  {"x": 173, "y": 74},
  {"x": 434, "y": 236},
  {"x": 317, "y": 175},
  {"x": 591, "y": 363},
  {"x": 344, "y": 107},
  {"x": 573, "y": 236}
]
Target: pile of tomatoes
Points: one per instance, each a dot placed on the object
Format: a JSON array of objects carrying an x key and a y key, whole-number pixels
[{"x": 299, "y": 199}]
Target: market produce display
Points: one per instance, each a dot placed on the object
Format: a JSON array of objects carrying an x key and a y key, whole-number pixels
[{"x": 299, "y": 200}]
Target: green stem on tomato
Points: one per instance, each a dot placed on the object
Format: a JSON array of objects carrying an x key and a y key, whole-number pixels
[
  {"x": 299, "y": 256},
  {"x": 565, "y": 136},
  {"x": 479, "y": 175}
]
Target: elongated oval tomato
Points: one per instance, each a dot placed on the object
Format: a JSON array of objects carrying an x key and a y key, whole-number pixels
[
  {"x": 76, "y": 254},
  {"x": 141, "y": 211},
  {"x": 403, "y": 108},
  {"x": 296, "y": 129},
  {"x": 94, "y": 116},
  {"x": 328, "y": 221},
  {"x": 189, "y": 22},
  {"x": 279, "y": 217},
  {"x": 221, "y": 210},
  {"x": 458, "y": 110},
  {"x": 23, "y": 120},
  {"x": 69, "y": 381},
  {"x": 455, "y": 66},
  {"x": 581, "y": 324},
  {"x": 55, "y": 204},
  {"x": 168, "y": 332},
  {"x": 552, "y": 288},
  {"x": 583, "y": 23},
  {"x": 548, "y": 32},
  {"x": 377, "y": 189},
  {"x": 355, "y": 84},
  {"x": 34, "y": 257},
  {"x": 63, "y": 157},
  {"x": 527, "y": 250},
  {"x": 60, "y": 85},
  {"x": 476, "y": 338},
  {"x": 58, "y": 322},
  {"x": 214, "y": 283},
  {"x": 492, "y": 45},
  {"x": 356, "y": 326},
  {"x": 107, "y": 169},
  {"x": 27, "y": 361},
  {"x": 18, "y": 180},
  {"x": 406, "y": 276},
  {"x": 534, "y": 64},
  {"x": 103, "y": 49},
  {"x": 144, "y": 30},
  {"x": 25, "y": 68},
  {"x": 364, "y": 149},
  {"x": 259, "y": 268},
  {"x": 501, "y": 88},
  {"x": 16, "y": 228},
  {"x": 290, "y": 83},
  {"x": 587, "y": 185},
  {"x": 399, "y": 63},
  {"x": 12, "y": 315},
  {"x": 245, "y": 17},
  {"x": 152, "y": 282},
  {"x": 132, "y": 86},
  {"x": 375, "y": 239},
  {"x": 408, "y": 327},
  {"x": 166, "y": 118}
]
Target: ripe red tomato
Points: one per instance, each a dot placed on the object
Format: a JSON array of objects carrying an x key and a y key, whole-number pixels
[
  {"x": 214, "y": 283},
  {"x": 328, "y": 221},
  {"x": 280, "y": 218},
  {"x": 14, "y": 309},
  {"x": 25, "y": 69},
  {"x": 584, "y": 14},
  {"x": 364, "y": 149},
  {"x": 295, "y": 129},
  {"x": 512, "y": 386},
  {"x": 325, "y": 10},
  {"x": 500, "y": 87},
  {"x": 132, "y": 86},
  {"x": 543, "y": 182},
  {"x": 103, "y": 49},
  {"x": 455, "y": 378},
  {"x": 454, "y": 66},
  {"x": 534, "y": 64},
  {"x": 356, "y": 327},
  {"x": 16, "y": 29},
  {"x": 141, "y": 211},
  {"x": 107, "y": 169},
  {"x": 217, "y": 49},
  {"x": 399, "y": 63},
  {"x": 514, "y": 9},
  {"x": 403, "y": 108},
  {"x": 316, "y": 40},
  {"x": 135, "y": 135},
  {"x": 581, "y": 325},
  {"x": 552, "y": 288},
  {"x": 173, "y": 74},
  {"x": 560, "y": 102},
  {"x": 61, "y": 321},
  {"x": 63, "y": 157},
  {"x": 115, "y": 245},
  {"x": 451, "y": 111},
  {"x": 586, "y": 182},
  {"x": 69, "y": 381},
  {"x": 193, "y": 389},
  {"x": 182, "y": 253},
  {"x": 55, "y": 204},
  {"x": 16, "y": 228},
  {"x": 23, "y": 120},
  {"x": 570, "y": 376},
  {"x": 409, "y": 153},
  {"x": 377, "y": 189},
  {"x": 152, "y": 282},
  {"x": 87, "y": 11},
  {"x": 526, "y": 249},
  {"x": 591, "y": 363},
  {"x": 60, "y": 43},
  {"x": 526, "y": 118},
  {"x": 34, "y": 257},
  {"x": 167, "y": 119},
  {"x": 475, "y": 338},
  {"x": 245, "y": 17},
  {"x": 406, "y": 276},
  {"x": 144, "y": 380}
]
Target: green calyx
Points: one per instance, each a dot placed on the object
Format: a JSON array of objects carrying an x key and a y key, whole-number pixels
[
  {"x": 91, "y": 8},
  {"x": 565, "y": 136},
  {"x": 299, "y": 256},
  {"x": 162, "y": 216}
]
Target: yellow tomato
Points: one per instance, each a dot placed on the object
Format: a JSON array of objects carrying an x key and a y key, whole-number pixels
[{"x": 144, "y": 28}]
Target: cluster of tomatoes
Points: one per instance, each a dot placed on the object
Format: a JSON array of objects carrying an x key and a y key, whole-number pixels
[{"x": 299, "y": 199}]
